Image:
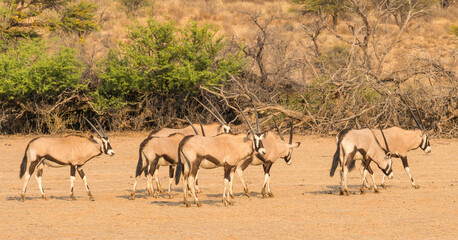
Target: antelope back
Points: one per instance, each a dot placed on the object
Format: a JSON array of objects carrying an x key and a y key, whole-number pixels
[
  {"x": 166, "y": 147},
  {"x": 66, "y": 150}
]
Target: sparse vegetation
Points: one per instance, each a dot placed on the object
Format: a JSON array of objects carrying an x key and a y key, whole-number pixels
[{"x": 344, "y": 65}]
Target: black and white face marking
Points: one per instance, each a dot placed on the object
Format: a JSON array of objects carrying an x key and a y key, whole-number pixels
[
  {"x": 226, "y": 128},
  {"x": 288, "y": 157},
  {"x": 424, "y": 145},
  {"x": 389, "y": 169},
  {"x": 107, "y": 147},
  {"x": 258, "y": 146}
]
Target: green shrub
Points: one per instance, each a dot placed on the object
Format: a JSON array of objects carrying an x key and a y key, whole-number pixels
[
  {"x": 335, "y": 57},
  {"x": 162, "y": 59},
  {"x": 132, "y": 6},
  {"x": 455, "y": 30},
  {"x": 28, "y": 71},
  {"x": 79, "y": 18}
]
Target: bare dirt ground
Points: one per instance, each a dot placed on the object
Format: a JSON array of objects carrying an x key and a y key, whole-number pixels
[{"x": 306, "y": 203}]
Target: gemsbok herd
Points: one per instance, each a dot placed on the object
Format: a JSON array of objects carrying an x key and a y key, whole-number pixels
[{"x": 188, "y": 150}]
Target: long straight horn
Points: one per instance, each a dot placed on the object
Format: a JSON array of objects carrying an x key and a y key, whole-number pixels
[
  {"x": 384, "y": 139},
  {"x": 193, "y": 128},
  {"x": 411, "y": 113},
  {"x": 212, "y": 113},
  {"x": 258, "y": 126},
  {"x": 101, "y": 128},
  {"x": 216, "y": 110},
  {"x": 246, "y": 119},
  {"x": 291, "y": 133},
  {"x": 202, "y": 129},
  {"x": 278, "y": 130},
  {"x": 92, "y": 125}
]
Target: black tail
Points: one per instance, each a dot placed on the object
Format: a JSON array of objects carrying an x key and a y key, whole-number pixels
[
  {"x": 335, "y": 161},
  {"x": 139, "y": 169},
  {"x": 179, "y": 168},
  {"x": 23, "y": 167},
  {"x": 336, "y": 158},
  {"x": 140, "y": 166}
]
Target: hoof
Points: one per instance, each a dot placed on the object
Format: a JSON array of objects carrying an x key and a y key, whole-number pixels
[
  {"x": 344, "y": 193},
  {"x": 271, "y": 195},
  {"x": 361, "y": 190},
  {"x": 376, "y": 191},
  {"x": 132, "y": 196},
  {"x": 72, "y": 197},
  {"x": 92, "y": 198},
  {"x": 226, "y": 202},
  {"x": 416, "y": 186},
  {"x": 44, "y": 197},
  {"x": 247, "y": 193},
  {"x": 22, "y": 197},
  {"x": 185, "y": 201},
  {"x": 383, "y": 185},
  {"x": 169, "y": 195},
  {"x": 198, "y": 204},
  {"x": 231, "y": 195},
  {"x": 160, "y": 190}
]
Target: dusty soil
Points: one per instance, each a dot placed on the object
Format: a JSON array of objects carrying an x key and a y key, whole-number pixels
[{"x": 306, "y": 203}]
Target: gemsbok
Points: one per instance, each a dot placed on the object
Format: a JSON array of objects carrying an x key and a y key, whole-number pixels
[
  {"x": 351, "y": 142},
  {"x": 276, "y": 147},
  {"x": 63, "y": 151},
  {"x": 225, "y": 150},
  {"x": 157, "y": 151},
  {"x": 211, "y": 129},
  {"x": 400, "y": 141}
]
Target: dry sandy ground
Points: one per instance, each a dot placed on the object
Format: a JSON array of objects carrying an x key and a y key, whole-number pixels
[{"x": 306, "y": 203}]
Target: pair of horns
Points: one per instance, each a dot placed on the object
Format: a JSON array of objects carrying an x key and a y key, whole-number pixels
[
  {"x": 195, "y": 130},
  {"x": 217, "y": 115},
  {"x": 281, "y": 135},
  {"x": 417, "y": 120},
  {"x": 248, "y": 122},
  {"x": 95, "y": 129}
]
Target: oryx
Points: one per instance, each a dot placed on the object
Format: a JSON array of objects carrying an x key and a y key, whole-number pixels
[
  {"x": 211, "y": 129},
  {"x": 351, "y": 142},
  {"x": 157, "y": 151},
  {"x": 276, "y": 147},
  {"x": 400, "y": 141},
  {"x": 225, "y": 150},
  {"x": 62, "y": 151}
]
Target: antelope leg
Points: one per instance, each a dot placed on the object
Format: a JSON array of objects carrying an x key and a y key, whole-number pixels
[{"x": 72, "y": 181}]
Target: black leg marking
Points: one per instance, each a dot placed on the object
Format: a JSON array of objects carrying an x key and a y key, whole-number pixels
[{"x": 171, "y": 171}]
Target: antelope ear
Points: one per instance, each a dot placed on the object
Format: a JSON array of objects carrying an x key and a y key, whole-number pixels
[{"x": 295, "y": 145}]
